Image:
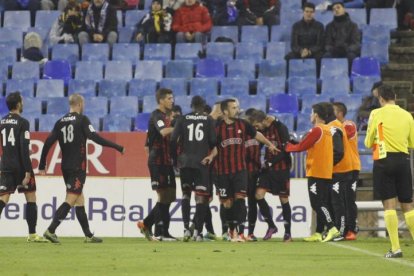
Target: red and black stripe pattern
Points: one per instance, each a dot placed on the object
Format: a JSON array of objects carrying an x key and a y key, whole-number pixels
[{"x": 253, "y": 149}]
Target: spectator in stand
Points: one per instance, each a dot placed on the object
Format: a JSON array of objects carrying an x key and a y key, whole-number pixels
[
  {"x": 352, "y": 4},
  {"x": 405, "y": 10},
  {"x": 192, "y": 22},
  {"x": 66, "y": 28},
  {"x": 229, "y": 12},
  {"x": 265, "y": 12},
  {"x": 100, "y": 23},
  {"x": 307, "y": 36},
  {"x": 155, "y": 27},
  {"x": 368, "y": 104},
  {"x": 16, "y": 5},
  {"x": 32, "y": 48},
  {"x": 55, "y": 4},
  {"x": 342, "y": 36},
  {"x": 172, "y": 5}
]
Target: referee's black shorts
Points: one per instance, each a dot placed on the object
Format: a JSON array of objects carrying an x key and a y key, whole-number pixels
[{"x": 392, "y": 178}]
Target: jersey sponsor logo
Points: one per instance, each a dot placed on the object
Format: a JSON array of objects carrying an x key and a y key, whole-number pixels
[
  {"x": 333, "y": 130},
  {"x": 353, "y": 187},
  {"x": 239, "y": 131},
  {"x": 91, "y": 129},
  {"x": 27, "y": 135},
  {"x": 9, "y": 121},
  {"x": 251, "y": 142},
  {"x": 196, "y": 117},
  {"x": 335, "y": 187},
  {"x": 3, "y": 188},
  {"x": 68, "y": 186},
  {"x": 68, "y": 119},
  {"x": 312, "y": 189},
  {"x": 160, "y": 123},
  {"x": 201, "y": 188},
  {"x": 231, "y": 141}
]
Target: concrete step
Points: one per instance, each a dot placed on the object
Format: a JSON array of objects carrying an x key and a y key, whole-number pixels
[
  {"x": 403, "y": 89},
  {"x": 403, "y": 38},
  {"x": 398, "y": 72},
  {"x": 399, "y": 54}
]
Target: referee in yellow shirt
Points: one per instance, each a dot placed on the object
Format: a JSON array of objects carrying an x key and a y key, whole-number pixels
[{"x": 390, "y": 133}]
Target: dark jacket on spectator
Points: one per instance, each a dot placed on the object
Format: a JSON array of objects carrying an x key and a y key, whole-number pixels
[
  {"x": 260, "y": 7},
  {"x": 148, "y": 28},
  {"x": 101, "y": 20},
  {"x": 342, "y": 33},
  {"x": 307, "y": 35},
  {"x": 194, "y": 18}
]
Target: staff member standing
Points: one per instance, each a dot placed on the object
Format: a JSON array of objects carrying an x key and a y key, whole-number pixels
[{"x": 390, "y": 133}]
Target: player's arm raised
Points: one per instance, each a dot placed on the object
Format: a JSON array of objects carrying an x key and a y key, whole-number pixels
[
  {"x": 51, "y": 139},
  {"x": 92, "y": 135}
]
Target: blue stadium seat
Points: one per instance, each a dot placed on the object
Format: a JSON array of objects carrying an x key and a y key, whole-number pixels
[
  {"x": 375, "y": 33},
  {"x": 253, "y": 101},
  {"x": 3, "y": 107},
  {"x": 45, "y": 19},
  {"x": 142, "y": 87},
  {"x": 89, "y": 70},
  {"x": 177, "y": 85},
  {"x": 126, "y": 51},
  {"x": 302, "y": 68},
  {"x": 117, "y": 123},
  {"x": 309, "y": 99},
  {"x": 58, "y": 69},
  {"x": 50, "y": 88},
  {"x": 95, "y": 120},
  {"x": 359, "y": 16},
  {"x": 288, "y": 119},
  {"x": 96, "y": 105},
  {"x": 119, "y": 17},
  {"x": 110, "y": 88},
  {"x": 12, "y": 37},
  {"x": 362, "y": 85},
  {"x": 375, "y": 50},
  {"x": 303, "y": 123},
  {"x": 127, "y": 105},
  {"x": 331, "y": 67},
  {"x": 95, "y": 52},
  {"x": 179, "y": 69},
  {"x": 220, "y": 50},
  {"x": 281, "y": 33},
  {"x": 289, "y": 17},
  {"x": 235, "y": 86},
  {"x": 250, "y": 51},
  {"x": 302, "y": 85},
  {"x": 4, "y": 71},
  {"x": 387, "y": 18},
  {"x": 203, "y": 86},
  {"x": 118, "y": 70},
  {"x": 276, "y": 50},
  {"x": 367, "y": 163},
  {"x": 338, "y": 85},
  {"x": 47, "y": 122},
  {"x": 352, "y": 115},
  {"x": 283, "y": 103},
  {"x": 17, "y": 19},
  {"x": 25, "y": 70},
  {"x": 231, "y": 32},
  {"x": 141, "y": 122},
  {"x": 24, "y": 86},
  {"x": 291, "y": 5},
  {"x": 210, "y": 68},
  {"x": 34, "y": 108},
  {"x": 132, "y": 17},
  {"x": 272, "y": 68},
  {"x": 8, "y": 54},
  {"x": 365, "y": 66},
  {"x": 254, "y": 34},
  {"x": 125, "y": 35},
  {"x": 86, "y": 88},
  {"x": 352, "y": 102},
  {"x": 69, "y": 52},
  {"x": 149, "y": 69},
  {"x": 324, "y": 17},
  {"x": 187, "y": 51},
  {"x": 269, "y": 86},
  {"x": 149, "y": 103},
  {"x": 160, "y": 51},
  {"x": 241, "y": 69},
  {"x": 57, "y": 106},
  {"x": 184, "y": 101}
]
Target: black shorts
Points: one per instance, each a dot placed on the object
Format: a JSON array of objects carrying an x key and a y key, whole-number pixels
[
  {"x": 10, "y": 181},
  {"x": 74, "y": 181},
  {"x": 162, "y": 177},
  {"x": 392, "y": 178},
  {"x": 228, "y": 185},
  {"x": 275, "y": 182},
  {"x": 252, "y": 183},
  {"x": 196, "y": 179}
]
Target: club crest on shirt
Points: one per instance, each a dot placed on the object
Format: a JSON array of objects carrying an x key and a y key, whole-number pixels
[
  {"x": 27, "y": 135},
  {"x": 91, "y": 128},
  {"x": 160, "y": 123}
]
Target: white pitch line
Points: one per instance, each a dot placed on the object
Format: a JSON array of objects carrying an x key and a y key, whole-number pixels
[{"x": 366, "y": 252}]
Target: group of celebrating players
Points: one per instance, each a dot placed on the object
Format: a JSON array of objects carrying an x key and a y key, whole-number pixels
[{"x": 221, "y": 149}]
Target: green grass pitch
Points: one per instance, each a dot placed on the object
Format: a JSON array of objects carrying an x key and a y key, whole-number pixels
[{"x": 129, "y": 256}]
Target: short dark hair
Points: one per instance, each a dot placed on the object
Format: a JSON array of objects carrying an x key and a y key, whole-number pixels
[
  {"x": 162, "y": 93},
  {"x": 338, "y": 3},
  {"x": 330, "y": 113},
  {"x": 13, "y": 99},
  {"x": 376, "y": 85},
  {"x": 309, "y": 5},
  {"x": 177, "y": 108},
  {"x": 249, "y": 111},
  {"x": 198, "y": 103},
  {"x": 224, "y": 104},
  {"x": 257, "y": 116},
  {"x": 207, "y": 109},
  {"x": 386, "y": 92},
  {"x": 320, "y": 110},
  {"x": 341, "y": 106}
]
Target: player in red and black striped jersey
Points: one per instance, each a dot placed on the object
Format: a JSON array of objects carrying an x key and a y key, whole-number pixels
[
  {"x": 16, "y": 167},
  {"x": 275, "y": 176},
  {"x": 232, "y": 134},
  {"x": 160, "y": 164},
  {"x": 72, "y": 132}
]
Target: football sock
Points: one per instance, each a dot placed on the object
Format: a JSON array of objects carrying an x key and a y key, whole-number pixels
[
  {"x": 2, "y": 205},
  {"x": 208, "y": 219},
  {"x": 252, "y": 214},
  {"x": 185, "y": 210},
  {"x": 60, "y": 215},
  {"x": 31, "y": 216},
  {"x": 228, "y": 213},
  {"x": 240, "y": 212},
  {"x": 320, "y": 224},
  {"x": 224, "y": 222},
  {"x": 165, "y": 214},
  {"x": 287, "y": 216},
  {"x": 201, "y": 209},
  {"x": 83, "y": 220},
  {"x": 409, "y": 220},
  {"x": 391, "y": 223},
  {"x": 153, "y": 216},
  {"x": 265, "y": 211},
  {"x": 168, "y": 217}
]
